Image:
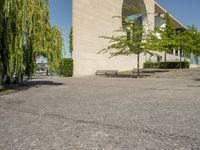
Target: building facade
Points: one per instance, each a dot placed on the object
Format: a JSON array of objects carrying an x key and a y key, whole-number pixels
[{"x": 94, "y": 18}]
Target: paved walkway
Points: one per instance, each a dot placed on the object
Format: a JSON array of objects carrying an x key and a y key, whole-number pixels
[
  {"x": 102, "y": 114},
  {"x": 193, "y": 73}
]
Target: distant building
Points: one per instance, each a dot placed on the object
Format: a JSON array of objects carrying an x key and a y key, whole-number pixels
[
  {"x": 41, "y": 60},
  {"x": 94, "y": 18},
  {"x": 195, "y": 61},
  {"x": 42, "y": 64}
]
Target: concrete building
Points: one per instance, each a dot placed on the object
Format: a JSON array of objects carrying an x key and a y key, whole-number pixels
[
  {"x": 42, "y": 65},
  {"x": 94, "y": 18}
]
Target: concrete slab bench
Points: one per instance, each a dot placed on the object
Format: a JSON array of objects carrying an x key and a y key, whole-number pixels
[{"x": 106, "y": 72}]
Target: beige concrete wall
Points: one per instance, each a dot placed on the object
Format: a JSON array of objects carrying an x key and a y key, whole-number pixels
[
  {"x": 94, "y": 18},
  {"x": 150, "y": 19}
]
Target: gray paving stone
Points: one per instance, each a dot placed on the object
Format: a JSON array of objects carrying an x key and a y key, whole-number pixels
[{"x": 102, "y": 114}]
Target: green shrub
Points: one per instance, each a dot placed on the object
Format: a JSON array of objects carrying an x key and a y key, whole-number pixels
[
  {"x": 66, "y": 67},
  {"x": 169, "y": 65},
  {"x": 152, "y": 65}
]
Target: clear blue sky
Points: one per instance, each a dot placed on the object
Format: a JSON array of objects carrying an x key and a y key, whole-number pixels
[
  {"x": 61, "y": 15},
  {"x": 186, "y": 11}
]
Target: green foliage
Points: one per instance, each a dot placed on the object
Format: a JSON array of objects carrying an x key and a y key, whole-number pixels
[
  {"x": 193, "y": 40},
  {"x": 169, "y": 38},
  {"x": 54, "y": 50},
  {"x": 169, "y": 65},
  {"x": 188, "y": 41},
  {"x": 130, "y": 39},
  {"x": 66, "y": 67},
  {"x": 71, "y": 41},
  {"x": 163, "y": 39},
  {"x": 1, "y": 37},
  {"x": 197, "y": 51},
  {"x": 127, "y": 40},
  {"x": 25, "y": 33}
]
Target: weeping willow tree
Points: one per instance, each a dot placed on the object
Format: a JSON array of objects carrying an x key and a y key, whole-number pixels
[
  {"x": 55, "y": 43},
  {"x": 25, "y": 34},
  {"x": 3, "y": 52},
  {"x": 71, "y": 41},
  {"x": 1, "y": 48}
]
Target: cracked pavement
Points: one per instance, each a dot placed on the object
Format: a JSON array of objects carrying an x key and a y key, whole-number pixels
[{"x": 102, "y": 114}]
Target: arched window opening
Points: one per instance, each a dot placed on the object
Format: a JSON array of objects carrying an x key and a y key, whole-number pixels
[{"x": 133, "y": 9}]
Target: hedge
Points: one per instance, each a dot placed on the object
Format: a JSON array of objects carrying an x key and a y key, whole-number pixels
[
  {"x": 66, "y": 67},
  {"x": 169, "y": 65}
]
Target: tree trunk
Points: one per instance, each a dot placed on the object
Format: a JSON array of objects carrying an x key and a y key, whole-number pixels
[
  {"x": 22, "y": 78},
  {"x": 180, "y": 59},
  {"x": 165, "y": 66},
  {"x": 1, "y": 80},
  {"x": 8, "y": 80},
  {"x": 16, "y": 80},
  {"x": 138, "y": 65}
]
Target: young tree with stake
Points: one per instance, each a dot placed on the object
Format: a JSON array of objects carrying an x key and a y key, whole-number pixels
[{"x": 129, "y": 40}]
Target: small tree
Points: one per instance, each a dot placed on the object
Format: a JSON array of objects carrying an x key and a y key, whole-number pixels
[
  {"x": 128, "y": 40},
  {"x": 181, "y": 42},
  {"x": 193, "y": 41},
  {"x": 197, "y": 51},
  {"x": 164, "y": 38},
  {"x": 189, "y": 42}
]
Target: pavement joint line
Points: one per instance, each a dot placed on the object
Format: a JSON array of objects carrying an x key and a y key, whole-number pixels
[
  {"x": 147, "y": 130},
  {"x": 52, "y": 115}
]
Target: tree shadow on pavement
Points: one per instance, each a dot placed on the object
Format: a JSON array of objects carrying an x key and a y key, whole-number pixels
[
  {"x": 198, "y": 79},
  {"x": 12, "y": 88}
]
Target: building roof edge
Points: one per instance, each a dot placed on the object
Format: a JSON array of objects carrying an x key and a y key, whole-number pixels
[{"x": 176, "y": 20}]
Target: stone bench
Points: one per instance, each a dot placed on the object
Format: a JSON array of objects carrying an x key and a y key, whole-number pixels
[{"x": 106, "y": 72}]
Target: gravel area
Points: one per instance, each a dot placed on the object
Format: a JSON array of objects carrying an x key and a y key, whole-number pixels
[{"x": 102, "y": 114}]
